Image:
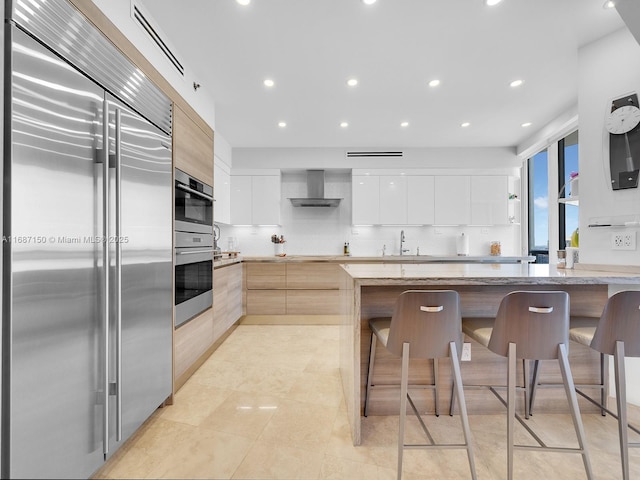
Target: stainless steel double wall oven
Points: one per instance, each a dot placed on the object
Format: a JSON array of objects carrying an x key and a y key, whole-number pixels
[{"x": 194, "y": 247}]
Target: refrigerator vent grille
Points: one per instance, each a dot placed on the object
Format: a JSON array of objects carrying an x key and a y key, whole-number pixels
[
  {"x": 371, "y": 154},
  {"x": 154, "y": 34}
]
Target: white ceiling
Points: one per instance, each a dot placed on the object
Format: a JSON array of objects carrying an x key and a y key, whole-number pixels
[{"x": 311, "y": 47}]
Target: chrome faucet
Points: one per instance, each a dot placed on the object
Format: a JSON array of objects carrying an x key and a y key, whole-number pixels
[{"x": 402, "y": 240}]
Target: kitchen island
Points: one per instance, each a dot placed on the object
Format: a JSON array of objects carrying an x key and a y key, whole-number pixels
[{"x": 370, "y": 290}]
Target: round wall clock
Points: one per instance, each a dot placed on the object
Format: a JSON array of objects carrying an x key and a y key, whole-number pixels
[{"x": 623, "y": 119}]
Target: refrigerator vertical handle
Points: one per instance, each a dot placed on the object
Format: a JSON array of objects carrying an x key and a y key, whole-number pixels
[
  {"x": 105, "y": 271},
  {"x": 118, "y": 280}
]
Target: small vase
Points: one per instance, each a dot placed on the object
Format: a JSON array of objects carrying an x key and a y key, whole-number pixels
[{"x": 279, "y": 249}]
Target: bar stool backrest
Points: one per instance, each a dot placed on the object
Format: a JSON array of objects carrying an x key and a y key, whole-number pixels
[
  {"x": 620, "y": 320},
  {"x": 537, "y": 322},
  {"x": 428, "y": 320}
]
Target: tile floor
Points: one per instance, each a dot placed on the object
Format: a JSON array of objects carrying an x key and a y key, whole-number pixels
[{"x": 268, "y": 405}]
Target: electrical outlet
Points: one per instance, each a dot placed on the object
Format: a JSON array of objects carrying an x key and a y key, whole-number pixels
[
  {"x": 466, "y": 352},
  {"x": 623, "y": 241}
]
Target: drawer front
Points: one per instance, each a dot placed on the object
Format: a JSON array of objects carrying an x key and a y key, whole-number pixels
[
  {"x": 265, "y": 276},
  {"x": 314, "y": 302},
  {"x": 266, "y": 302},
  {"x": 313, "y": 276}
]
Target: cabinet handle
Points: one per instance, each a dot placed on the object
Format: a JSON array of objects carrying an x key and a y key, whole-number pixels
[
  {"x": 541, "y": 309},
  {"x": 118, "y": 279},
  {"x": 105, "y": 273},
  {"x": 432, "y": 309}
]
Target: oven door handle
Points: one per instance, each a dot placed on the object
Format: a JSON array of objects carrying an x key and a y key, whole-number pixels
[
  {"x": 193, "y": 252},
  {"x": 194, "y": 192}
]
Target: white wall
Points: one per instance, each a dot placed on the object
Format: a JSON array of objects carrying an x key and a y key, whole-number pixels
[
  {"x": 119, "y": 12},
  {"x": 609, "y": 68}
]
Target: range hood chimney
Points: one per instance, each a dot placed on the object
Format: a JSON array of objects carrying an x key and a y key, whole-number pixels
[{"x": 315, "y": 192}]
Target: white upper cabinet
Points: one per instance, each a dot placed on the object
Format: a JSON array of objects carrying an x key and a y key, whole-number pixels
[
  {"x": 489, "y": 200},
  {"x": 365, "y": 199},
  {"x": 222, "y": 194},
  {"x": 393, "y": 200},
  {"x": 420, "y": 200},
  {"x": 452, "y": 200},
  {"x": 255, "y": 199}
]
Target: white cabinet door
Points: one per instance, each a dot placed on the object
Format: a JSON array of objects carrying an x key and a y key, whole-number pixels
[
  {"x": 222, "y": 194},
  {"x": 420, "y": 200},
  {"x": 266, "y": 200},
  {"x": 241, "y": 200},
  {"x": 453, "y": 200},
  {"x": 393, "y": 200},
  {"x": 489, "y": 200},
  {"x": 365, "y": 200}
]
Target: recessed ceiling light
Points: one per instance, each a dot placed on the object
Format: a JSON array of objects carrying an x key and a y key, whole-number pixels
[
  {"x": 369, "y": 2},
  {"x": 434, "y": 83},
  {"x": 491, "y": 3},
  {"x": 282, "y": 124},
  {"x": 609, "y": 4},
  {"x": 404, "y": 124},
  {"x": 244, "y": 3},
  {"x": 526, "y": 124},
  {"x": 516, "y": 83},
  {"x": 465, "y": 124},
  {"x": 352, "y": 82},
  {"x": 344, "y": 124},
  {"x": 269, "y": 83}
]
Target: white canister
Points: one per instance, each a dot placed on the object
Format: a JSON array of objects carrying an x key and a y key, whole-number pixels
[
  {"x": 462, "y": 245},
  {"x": 573, "y": 187},
  {"x": 571, "y": 256}
]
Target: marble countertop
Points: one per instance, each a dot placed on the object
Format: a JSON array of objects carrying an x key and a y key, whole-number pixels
[
  {"x": 414, "y": 259},
  {"x": 484, "y": 274}
]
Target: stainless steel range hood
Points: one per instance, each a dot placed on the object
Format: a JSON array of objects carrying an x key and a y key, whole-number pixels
[{"x": 315, "y": 192}]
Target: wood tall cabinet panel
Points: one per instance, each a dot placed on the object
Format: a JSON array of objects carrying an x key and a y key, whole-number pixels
[
  {"x": 227, "y": 298},
  {"x": 489, "y": 200},
  {"x": 192, "y": 147},
  {"x": 452, "y": 200},
  {"x": 192, "y": 340}
]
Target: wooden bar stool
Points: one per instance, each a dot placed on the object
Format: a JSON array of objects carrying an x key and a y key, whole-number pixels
[
  {"x": 425, "y": 324},
  {"x": 533, "y": 326},
  {"x": 618, "y": 334}
]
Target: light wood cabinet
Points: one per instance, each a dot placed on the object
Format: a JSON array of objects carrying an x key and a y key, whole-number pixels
[
  {"x": 293, "y": 289},
  {"x": 192, "y": 147},
  {"x": 195, "y": 340}
]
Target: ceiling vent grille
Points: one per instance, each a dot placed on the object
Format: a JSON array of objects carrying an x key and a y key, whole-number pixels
[
  {"x": 154, "y": 33},
  {"x": 373, "y": 154}
]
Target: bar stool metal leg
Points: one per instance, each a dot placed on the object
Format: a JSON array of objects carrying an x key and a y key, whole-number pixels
[
  {"x": 435, "y": 386},
  {"x": 570, "y": 389},
  {"x": 511, "y": 407},
  {"x": 403, "y": 404},
  {"x": 621, "y": 401}
]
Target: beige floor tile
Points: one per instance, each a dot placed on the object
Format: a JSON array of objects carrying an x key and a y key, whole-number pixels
[
  {"x": 300, "y": 425},
  {"x": 317, "y": 388},
  {"x": 336, "y": 468},
  {"x": 244, "y": 414},
  {"x": 268, "y": 461},
  {"x": 194, "y": 402}
]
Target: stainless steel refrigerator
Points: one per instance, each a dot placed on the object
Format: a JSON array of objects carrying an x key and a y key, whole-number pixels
[{"x": 87, "y": 349}]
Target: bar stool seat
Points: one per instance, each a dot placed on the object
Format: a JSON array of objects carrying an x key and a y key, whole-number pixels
[{"x": 425, "y": 324}]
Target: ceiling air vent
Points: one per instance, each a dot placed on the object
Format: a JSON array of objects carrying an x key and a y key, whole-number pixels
[
  {"x": 373, "y": 154},
  {"x": 154, "y": 33}
]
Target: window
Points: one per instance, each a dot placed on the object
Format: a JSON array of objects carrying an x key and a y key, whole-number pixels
[
  {"x": 567, "y": 166},
  {"x": 538, "y": 171}
]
